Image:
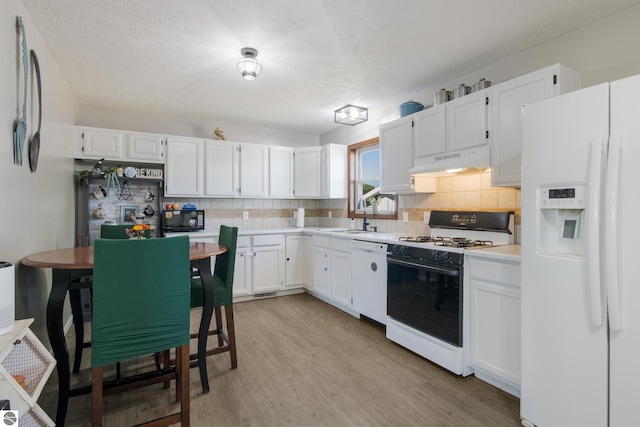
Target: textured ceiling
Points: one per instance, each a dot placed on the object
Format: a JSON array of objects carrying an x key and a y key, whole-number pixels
[{"x": 179, "y": 57}]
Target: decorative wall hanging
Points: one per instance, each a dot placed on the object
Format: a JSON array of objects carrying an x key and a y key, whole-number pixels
[
  {"x": 20, "y": 129},
  {"x": 34, "y": 144}
]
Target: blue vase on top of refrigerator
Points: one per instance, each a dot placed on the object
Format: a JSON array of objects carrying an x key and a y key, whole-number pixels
[{"x": 580, "y": 287}]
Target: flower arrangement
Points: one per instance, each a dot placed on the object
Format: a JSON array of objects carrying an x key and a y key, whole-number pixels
[{"x": 137, "y": 231}]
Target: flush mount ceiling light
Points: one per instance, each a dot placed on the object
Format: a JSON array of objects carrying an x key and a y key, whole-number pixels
[
  {"x": 248, "y": 65},
  {"x": 351, "y": 115}
]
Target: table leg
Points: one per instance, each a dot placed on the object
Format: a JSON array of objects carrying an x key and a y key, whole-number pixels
[
  {"x": 78, "y": 323},
  {"x": 55, "y": 329},
  {"x": 204, "y": 268}
]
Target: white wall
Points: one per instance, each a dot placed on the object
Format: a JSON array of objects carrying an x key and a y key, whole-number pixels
[
  {"x": 113, "y": 118},
  {"x": 604, "y": 51},
  {"x": 37, "y": 208}
]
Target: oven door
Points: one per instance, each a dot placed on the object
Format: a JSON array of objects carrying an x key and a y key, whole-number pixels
[{"x": 426, "y": 297}]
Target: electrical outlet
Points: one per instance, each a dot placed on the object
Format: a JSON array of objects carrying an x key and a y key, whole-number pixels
[
  {"x": 329, "y": 214},
  {"x": 425, "y": 217},
  {"x": 245, "y": 215},
  {"x": 405, "y": 216}
]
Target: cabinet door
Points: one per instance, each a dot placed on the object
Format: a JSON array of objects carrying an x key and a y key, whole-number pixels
[
  {"x": 495, "y": 323},
  {"x": 145, "y": 147},
  {"x": 321, "y": 270},
  {"x": 102, "y": 143},
  {"x": 396, "y": 155},
  {"x": 294, "y": 262},
  {"x": 281, "y": 172},
  {"x": 507, "y": 101},
  {"x": 467, "y": 121},
  {"x": 341, "y": 277},
  {"x": 308, "y": 172},
  {"x": 222, "y": 168},
  {"x": 334, "y": 171},
  {"x": 184, "y": 167},
  {"x": 429, "y": 133},
  {"x": 267, "y": 273},
  {"x": 307, "y": 242},
  {"x": 242, "y": 267},
  {"x": 494, "y": 318},
  {"x": 254, "y": 165}
]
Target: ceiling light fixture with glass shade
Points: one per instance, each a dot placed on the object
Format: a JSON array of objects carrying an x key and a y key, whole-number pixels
[
  {"x": 248, "y": 65},
  {"x": 351, "y": 115}
]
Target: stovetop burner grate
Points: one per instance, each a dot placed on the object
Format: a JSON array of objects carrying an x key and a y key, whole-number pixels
[{"x": 452, "y": 242}]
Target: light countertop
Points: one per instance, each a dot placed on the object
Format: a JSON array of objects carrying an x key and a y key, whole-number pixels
[{"x": 506, "y": 252}]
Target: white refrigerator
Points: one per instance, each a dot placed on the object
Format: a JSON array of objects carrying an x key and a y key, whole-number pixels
[{"x": 580, "y": 272}]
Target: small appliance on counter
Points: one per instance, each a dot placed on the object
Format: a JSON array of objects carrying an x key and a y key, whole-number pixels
[{"x": 184, "y": 221}]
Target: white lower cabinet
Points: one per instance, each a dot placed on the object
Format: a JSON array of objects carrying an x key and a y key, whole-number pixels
[
  {"x": 259, "y": 264},
  {"x": 307, "y": 250},
  {"x": 321, "y": 277},
  {"x": 340, "y": 271},
  {"x": 494, "y": 320},
  {"x": 332, "y": 271},
  {"x": 294, "y": 261}
]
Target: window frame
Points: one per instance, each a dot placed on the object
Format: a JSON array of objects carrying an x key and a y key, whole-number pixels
[{"x": 351, "y": 171}]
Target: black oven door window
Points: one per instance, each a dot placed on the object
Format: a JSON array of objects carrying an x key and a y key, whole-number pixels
[{"x": 426, "y": 298}]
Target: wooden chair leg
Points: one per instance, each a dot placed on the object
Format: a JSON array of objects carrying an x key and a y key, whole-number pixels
[
  {"x": 218, "y": 313},
  {"x": 166, "y": 362},
  {"x": 231, "y": 332},
  {"x": 183, "y": 381},
  {"x": 96, "y": 397}
]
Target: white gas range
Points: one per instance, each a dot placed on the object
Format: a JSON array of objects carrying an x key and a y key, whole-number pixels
[{"x": 425, "y": 282}]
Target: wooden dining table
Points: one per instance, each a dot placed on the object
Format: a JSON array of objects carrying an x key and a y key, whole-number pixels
[{"x": 69, "y": 267}]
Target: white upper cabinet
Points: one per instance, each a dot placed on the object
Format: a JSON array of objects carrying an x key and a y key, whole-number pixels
[
  {"x": 281, "y": 172},
  {"x": 467, "y": 121},
  {"x": 95, "y": 143},
  {"x": 221, "y": 169},
  {"x": 147, "y": 147},
  {"x": 254, "y": 165},
  {"x": 307, "y": 172},
  {"x": 396, "y": 155},
  {"x": 321, "y": 171},
  {"x": 508, "y": 98},
  {"x": 334, "y": 171},
  {"x": 430, "y": 132},
  {"x": 118, "y": 145},
  {"x": 184, "y": 167}
]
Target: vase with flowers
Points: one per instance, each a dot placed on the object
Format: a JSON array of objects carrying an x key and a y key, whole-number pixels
[{"x": 137, "y": 231}]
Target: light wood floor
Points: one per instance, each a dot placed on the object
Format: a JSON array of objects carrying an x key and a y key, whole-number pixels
[{"x": 302, "y": 362}]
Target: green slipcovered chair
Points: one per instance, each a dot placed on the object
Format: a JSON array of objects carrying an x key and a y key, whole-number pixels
[
  {"x": 141, "y": 306},
  {"x": 223, "y": 297},
  {"x": 107, "y": 231}
]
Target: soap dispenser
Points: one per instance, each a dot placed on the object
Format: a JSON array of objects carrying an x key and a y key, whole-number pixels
[{"x": 352, "y": 224}]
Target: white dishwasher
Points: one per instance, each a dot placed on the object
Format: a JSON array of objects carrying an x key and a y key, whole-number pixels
[{"x": 369, "y": 279}]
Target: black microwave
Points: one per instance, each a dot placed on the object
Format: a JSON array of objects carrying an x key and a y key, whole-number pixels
[{"x": 183, "y": 220}]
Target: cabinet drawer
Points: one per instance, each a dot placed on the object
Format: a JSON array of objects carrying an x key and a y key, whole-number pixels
[
  {"x": 323, "y": 241},
  {"x": 243, "y": 242},
  {"x": 267, "y": 240},
  {"x": 341, "y": 245},
  {"x": 505, "y": 273}
]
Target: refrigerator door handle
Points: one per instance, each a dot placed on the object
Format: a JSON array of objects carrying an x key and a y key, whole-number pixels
[
  {"x": 598, "y": 146},
  {"x": 611, "y": 234}
]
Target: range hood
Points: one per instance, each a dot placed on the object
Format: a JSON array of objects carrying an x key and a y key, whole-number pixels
[{"x": 475, "y": 157}]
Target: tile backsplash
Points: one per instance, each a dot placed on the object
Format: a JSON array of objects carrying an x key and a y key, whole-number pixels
[{"x": 464, "y": 192}]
